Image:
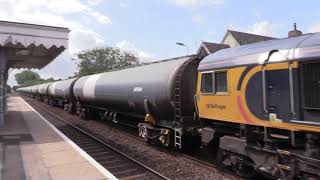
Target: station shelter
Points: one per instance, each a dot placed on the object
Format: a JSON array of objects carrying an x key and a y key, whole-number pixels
[{"x": 27, "y": 46}]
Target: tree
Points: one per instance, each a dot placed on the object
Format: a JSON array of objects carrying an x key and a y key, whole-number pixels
[
  {"x": 26, "y": 75},
  {"x": 29, "y": 78},
  {"x": 104, "y": 59}
]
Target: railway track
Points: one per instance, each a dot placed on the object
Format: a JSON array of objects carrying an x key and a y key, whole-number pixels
[
  {"x": 193, "y": 157},
  {"x": 119, "y": 164},
  {"x": 100, "y": 123}
]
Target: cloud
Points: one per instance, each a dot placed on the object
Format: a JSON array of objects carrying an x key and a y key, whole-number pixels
[
  {"x": 314, "y": 28},
  {"x": 198, "y": 19},
  {"x": 196, "y": 3},
  {"x": 54, "y": 13},
  {"x": 130, "y": 47},
  {"x": 123, "y": 4},
  {"x": 31, "y": 11},
  {"x": 94, "y": 2},
  {"x": 99, "y": 17},
  {"x": 263, "y": 28},
  {"x": 84, "y": 39},
  {"x": 61, "y": 68}
]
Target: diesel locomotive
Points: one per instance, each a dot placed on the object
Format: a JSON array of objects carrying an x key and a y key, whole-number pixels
[{"x": 256, "y": 107}]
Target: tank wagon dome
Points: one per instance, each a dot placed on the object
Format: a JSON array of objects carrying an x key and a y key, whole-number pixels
[
  {"x": 305, "y": 47},
  {"x": 126, "y": 90}
]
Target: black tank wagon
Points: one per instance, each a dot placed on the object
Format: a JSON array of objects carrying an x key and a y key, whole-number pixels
[
  {"x": 61, "y": 94},
  {"x": 25, "y": 91},
  {"x": 43, "y": 91},
  {"x": 161, "y": 92},
  {"x": 34, "y": 91}
]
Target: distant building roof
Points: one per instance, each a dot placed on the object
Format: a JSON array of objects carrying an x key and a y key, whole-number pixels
[
  {"x": 213, "y": 47},
  {"x": 207, "y": 48},
  {"x": 246, "y": 38}
]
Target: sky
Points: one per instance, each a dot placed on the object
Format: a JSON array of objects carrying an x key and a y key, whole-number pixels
[{"x": 151, "y": 28}]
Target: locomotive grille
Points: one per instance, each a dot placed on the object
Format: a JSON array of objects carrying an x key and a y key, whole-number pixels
[{"x": 311, "y": 85}]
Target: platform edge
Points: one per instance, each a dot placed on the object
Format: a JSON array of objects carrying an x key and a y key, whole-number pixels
[{"x": 76, "y": 147}]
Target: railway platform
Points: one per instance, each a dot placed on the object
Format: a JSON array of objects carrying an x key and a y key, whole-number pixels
[{"x": 31, "y": 148}]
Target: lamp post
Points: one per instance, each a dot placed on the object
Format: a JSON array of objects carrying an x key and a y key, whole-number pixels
[{"x": 184, "y": 45}]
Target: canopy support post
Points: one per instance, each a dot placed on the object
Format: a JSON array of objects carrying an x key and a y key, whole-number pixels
[{"x": 3, "y": 84}]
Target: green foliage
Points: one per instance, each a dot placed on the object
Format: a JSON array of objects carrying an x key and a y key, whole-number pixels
[
  {"x": 30, "y": 78},
  {"x": 35, "y": 82},
  {"x": 104, "y": 59},
  {"x": 26, "y": 75}
]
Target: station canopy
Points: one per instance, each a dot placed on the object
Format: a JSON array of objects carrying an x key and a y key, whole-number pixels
[{"x": 31, "y": 46}]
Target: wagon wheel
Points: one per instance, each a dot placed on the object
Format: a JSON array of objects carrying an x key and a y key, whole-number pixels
[
  {"x": 144, "y": 133},
  {"x": 243, "y": 169},
  {"x": 83, "y": 114},
  {"x": 70, "y": 108},
  {"x": 65, "y": 107},
  {"x": 221, "y": 156}
]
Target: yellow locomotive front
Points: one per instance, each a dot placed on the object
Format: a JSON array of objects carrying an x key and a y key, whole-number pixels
[{"x": 260, "y": 107}]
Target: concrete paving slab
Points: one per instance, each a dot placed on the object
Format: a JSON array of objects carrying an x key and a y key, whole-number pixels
[
  {"x": 61, "y": 158},
  {"x": 54, "y": 147},
  {"x": 15, "y": 125},
  {"x": 79, "y": 171},
  {"x": 33, "y": 164},
  {"x": 30, "y": 148},
  {"x": 13, "y": 164}
]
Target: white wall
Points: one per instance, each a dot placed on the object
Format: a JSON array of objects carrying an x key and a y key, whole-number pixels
[{"x": 230, "y": 41}]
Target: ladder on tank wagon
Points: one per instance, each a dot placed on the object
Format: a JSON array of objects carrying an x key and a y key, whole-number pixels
[{"x": 177, "y": 106}]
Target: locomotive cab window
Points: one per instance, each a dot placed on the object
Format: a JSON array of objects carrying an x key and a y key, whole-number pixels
[
  {"x": 221, "y": 82},
  {"x": 214, "y": 83},
  {"x": 207, "y": 83}
]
